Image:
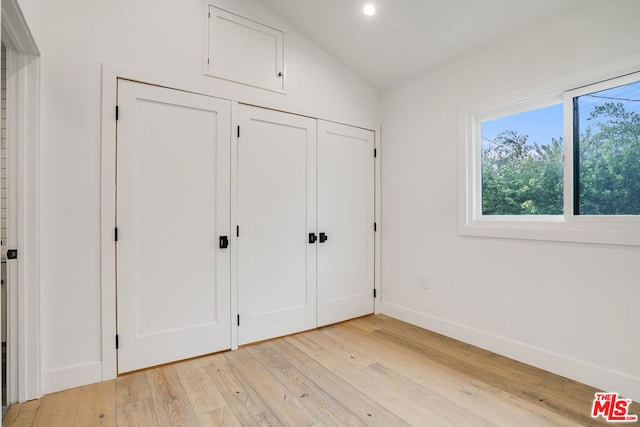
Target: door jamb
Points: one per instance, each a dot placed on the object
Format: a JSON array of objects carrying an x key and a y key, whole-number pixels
[
  {"x": 108, "y": 222},
  {"x": 23, "y": 139}
]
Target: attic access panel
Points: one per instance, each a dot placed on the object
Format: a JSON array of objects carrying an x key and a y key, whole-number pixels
[{"x": 245, "y": 51}]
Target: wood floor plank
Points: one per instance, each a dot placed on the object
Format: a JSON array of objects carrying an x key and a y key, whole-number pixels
[
  {"x": 223, "y": 417},
  {"x": 405, "y": 398},
  {"x": 421, "y": 401},
  {"x": 453, "y": 353},
  {"x": 328, "y": 409},
  {"x": 486, "y": 401},
  {"x": 361, "y": 404},
  {"x": 323, "y": 340},
  {"x": 200, "y": 390},
  {"x": 240, "y": 395},
  {"x": 27, "y": 414},
  {"x": 58, "y": 409},
  {"x": 97, "y": 405},
  {"x": 286, "y": 406},
  {"x": 12, "y": 414},
  {"x": 505, "y": 408},
  {"x": 365, "y": 323},
  {"x": 134, "y": 404},
  {"x": 172, "y": 407},
  {"x": 136, "y": 413},
  {"x": 397, "y": 356},
  {"x": 132, "y": 387}
]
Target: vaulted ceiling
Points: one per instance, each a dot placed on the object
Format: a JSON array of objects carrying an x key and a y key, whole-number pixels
[{"x": 406, "y": 38}]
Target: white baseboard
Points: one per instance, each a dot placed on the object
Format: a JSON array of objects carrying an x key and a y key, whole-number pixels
[
  {"x": 72, "y": 376},
  {"x": 577, "y": 370}
]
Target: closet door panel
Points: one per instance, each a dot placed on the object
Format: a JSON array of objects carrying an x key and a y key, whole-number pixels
[
  {"x": 276, "y": 212},
  {"x": 346, "y": 217},
  {"x": 173, "y": 195}
]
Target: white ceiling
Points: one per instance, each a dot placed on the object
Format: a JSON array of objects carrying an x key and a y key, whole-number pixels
[{"x": 406, "y": 38}]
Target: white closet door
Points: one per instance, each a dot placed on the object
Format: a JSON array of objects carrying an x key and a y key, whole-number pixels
[
  {"x": 276, "y": 213},
  {"x": 346, "y": 217},
  {"x": 173, "y": 286}
]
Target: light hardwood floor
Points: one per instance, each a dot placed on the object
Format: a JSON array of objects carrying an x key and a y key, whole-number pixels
[{"x": 370, "y": 371}]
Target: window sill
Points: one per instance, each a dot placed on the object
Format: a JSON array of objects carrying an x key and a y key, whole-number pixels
[{"x": 599, "y": 230}]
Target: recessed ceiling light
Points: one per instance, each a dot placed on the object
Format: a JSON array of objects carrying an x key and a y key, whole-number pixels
[{"x": 369, "y": 10}]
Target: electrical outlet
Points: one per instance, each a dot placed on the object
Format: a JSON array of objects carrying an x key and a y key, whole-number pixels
[{"x": 424, "y": 283}]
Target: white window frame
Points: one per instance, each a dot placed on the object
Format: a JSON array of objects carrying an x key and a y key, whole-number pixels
[
  {"x": 605, "y": 229},
  {"x": 569, "y": 169},
  {"x": 476, "y": 129}
]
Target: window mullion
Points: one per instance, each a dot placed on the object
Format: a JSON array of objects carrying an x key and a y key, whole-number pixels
[{"x": 575, "y": 160}]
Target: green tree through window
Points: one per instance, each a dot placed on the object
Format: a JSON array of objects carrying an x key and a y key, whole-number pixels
[
  {"x": 522, "y": 158},
  {"x": 522, "y": 178},
  {"x": 522, "y": 170},
  {"x": 609, "y": 161}
]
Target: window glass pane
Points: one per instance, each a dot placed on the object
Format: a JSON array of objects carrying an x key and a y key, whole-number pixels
[
  {"x": 522, "y": 171},
  {"x": 608, "y": 161}
]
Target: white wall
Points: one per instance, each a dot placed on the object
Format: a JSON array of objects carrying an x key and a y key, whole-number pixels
[
  {"x": 31, "y": 12},
  {"x": 569, "y": 308},
  {"x": 159, "y": 36}
]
